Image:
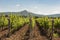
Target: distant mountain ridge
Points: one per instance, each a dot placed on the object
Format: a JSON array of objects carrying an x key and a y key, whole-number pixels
[
  {"x": 23, "y": 13},
  {"x": 27, "y": 13},
  {"x": 54, "y": 15}
]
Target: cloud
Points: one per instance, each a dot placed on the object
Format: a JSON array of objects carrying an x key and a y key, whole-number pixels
[
  {"x": 35, "y": 7},
  {"x": 47, "y": 11},
  {"x": 18, "y": 5}
]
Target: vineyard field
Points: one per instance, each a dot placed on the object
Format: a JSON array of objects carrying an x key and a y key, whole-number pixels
[{"x": 14, "y": 27}]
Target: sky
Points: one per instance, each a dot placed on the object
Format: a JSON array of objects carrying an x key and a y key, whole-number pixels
[{"x": 45, "y": 7}]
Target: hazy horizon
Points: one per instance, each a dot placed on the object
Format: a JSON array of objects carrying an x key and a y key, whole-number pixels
[{"x": 46, "y": 7}]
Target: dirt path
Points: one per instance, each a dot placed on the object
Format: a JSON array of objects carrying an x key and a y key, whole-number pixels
[
  {"x": 19, "y": 35},
  {"x": 3, "y": 33},
  {"x": 35, "y": 35},
  {"x": 56, "y": 38},
  {"x": 26, "y": 37},
  {"x": 25, "y": 34}
]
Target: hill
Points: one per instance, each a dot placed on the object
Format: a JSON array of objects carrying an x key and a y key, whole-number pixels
[
  {"x": 27, "y": 13},
  {"x": 54, "y": 15},
  {"x": 23, "y": 13}
]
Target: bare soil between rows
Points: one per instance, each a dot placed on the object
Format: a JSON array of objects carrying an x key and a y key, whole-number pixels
[{"x": 26, "y": 34}]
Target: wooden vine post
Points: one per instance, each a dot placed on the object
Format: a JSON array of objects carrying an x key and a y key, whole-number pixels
[
  {"x": 51, "y": 35},
  {"x": 8, "y": 27},
  {"x": 30, "y": 23},
  {"x": 8, "y": 35}
]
